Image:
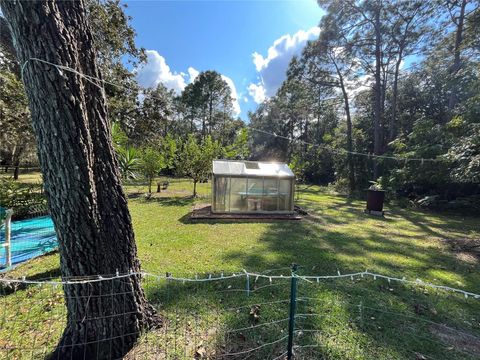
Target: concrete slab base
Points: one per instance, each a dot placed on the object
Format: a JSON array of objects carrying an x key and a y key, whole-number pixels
[
  {"x": 374, "y": 213},
  {"x": 203, "y": 211}
]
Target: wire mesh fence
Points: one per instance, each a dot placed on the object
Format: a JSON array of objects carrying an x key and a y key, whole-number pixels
[
  {"x": 30, "y": 235},
  {"x": 248, "y": 316}
]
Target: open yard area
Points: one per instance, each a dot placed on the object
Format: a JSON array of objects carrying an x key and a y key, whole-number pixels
[
  {"x": 345, "y": 318},
  {"x": 240, "y": 180}
]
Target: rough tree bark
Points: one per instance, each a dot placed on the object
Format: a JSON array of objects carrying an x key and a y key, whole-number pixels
[{"x": 82, "y": 182}]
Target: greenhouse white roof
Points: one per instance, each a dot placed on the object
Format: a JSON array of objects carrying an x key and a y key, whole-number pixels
[{"x": 251, "y": 168}]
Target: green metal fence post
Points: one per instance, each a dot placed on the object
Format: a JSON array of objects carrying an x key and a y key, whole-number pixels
[
  {"x": 293, "y": 308},
  {"x": 7, "y": 244},
  {"x": 360, "y": 313},
  {"x": 248, "y": 281}
]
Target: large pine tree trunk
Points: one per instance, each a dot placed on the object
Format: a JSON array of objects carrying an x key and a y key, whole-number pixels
[
  {"x": 377, "y": 108},
  {"x": 452, "y": 101},
  {"x": 82, "y": 182},
  {"x": 392, "y": 128},
  {"x": 351, "y": 167}
]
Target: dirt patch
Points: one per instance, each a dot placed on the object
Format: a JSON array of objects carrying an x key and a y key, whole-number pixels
[
  {"x": 162, "y": 194},
  {"x": 467, "y": 250},
  {"x": 458, "y": 340},
  {"x": 135, "y": 195},
  {"x": 467, "y": 257}
]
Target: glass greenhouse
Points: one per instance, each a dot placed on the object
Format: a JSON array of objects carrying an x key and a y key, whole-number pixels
[{"x": 252, "y": 187}]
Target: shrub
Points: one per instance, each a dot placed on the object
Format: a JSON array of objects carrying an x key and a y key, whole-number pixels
[{"x": 23, "y": 199}]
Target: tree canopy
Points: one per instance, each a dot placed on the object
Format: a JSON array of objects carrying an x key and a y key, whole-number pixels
[
  {"x": 352, "y": 107},
  {"x": 384, "y": 83}
]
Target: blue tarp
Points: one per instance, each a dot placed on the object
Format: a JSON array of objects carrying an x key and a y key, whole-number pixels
[{"x": 29, "y": 238}]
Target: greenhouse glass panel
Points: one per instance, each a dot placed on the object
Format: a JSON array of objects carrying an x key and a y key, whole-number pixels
[
  {"x": 254, "y": 194},
  {"x": 221, "y": 191},
  {"x": 270, "y": 195},
  {"x": 238, "y": 195},
  {"x": 285, "y": 195}
]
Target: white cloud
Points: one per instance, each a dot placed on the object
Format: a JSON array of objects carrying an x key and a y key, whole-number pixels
[
  {"x": 356, "y": 86},
  {"x": 257, "y": 92},
  {"x": 157, "y": 71},
  {"x": 272, "y": 67},
  {"x": 193, "y": 73},
  {"x": 233, "y": 89}
]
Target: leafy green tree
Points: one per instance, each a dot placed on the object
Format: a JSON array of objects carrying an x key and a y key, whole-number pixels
[
  {"x": 377, "y": 36},
  {"x": 362, "y": 26},
  {"x": 411, "y": 26},
  {"x": 266, "y": 120},
  {"x": 239, "y": 150},
  {"x": 457, "y": 11},
  {"x": 190, "y": 101},
  {"x": 151, "y": 163},
  {"x": 195, "y": 159},
  {"x": 298, "y": 167},
  {"x": 16, "y": 136},
  {"x": 330, "y": 68},
  {"x": 209, "y": 101},
  {"x": 115, "y": 47},
  {"x": 303, "y": 117},
  {"x": 168, "y": 148},
  {"x": 157, "y": 114},
  {"x": 465, "y": 155}
]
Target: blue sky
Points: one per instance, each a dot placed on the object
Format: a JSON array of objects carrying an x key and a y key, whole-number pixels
[{"x": 249, "y": 42}]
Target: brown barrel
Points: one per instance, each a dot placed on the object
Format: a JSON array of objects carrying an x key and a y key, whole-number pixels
[{"x": 375, "y": 200}]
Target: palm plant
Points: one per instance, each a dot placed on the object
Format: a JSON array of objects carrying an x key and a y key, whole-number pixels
[{"x": 128, "y": 161}]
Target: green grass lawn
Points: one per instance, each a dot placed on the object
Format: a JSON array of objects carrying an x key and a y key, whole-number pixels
[
  {"x": 359, "y": 319},
  {"x": 25, "y": 176}
]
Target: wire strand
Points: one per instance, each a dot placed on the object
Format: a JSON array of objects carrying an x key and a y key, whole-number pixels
[
  {"x": 309, "y": 278},
  {"x": 344, "y": 152},
  {"x": 94, "y": 80}
]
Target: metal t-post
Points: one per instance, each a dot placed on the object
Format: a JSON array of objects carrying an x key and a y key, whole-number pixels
[
  {"x": 293, "y": 308},
  {"x": 7, "y": 244}
]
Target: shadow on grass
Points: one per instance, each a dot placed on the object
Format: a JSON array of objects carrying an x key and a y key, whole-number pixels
[
  {"x": 338, "y": 319},
  {"x": 7, "y": 289},
  {"x": 47, "y": 274},
  {"x": 188, "y": 220},
  {"x": 354, "y": 319},
  {"x": 318, "y": 247},
  {"x": 170, "y": 200}
]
